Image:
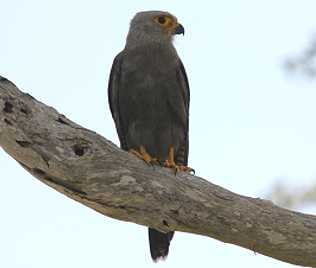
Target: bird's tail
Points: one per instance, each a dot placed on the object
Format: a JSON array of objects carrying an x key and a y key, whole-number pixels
[{"x": 159, "y": 244}]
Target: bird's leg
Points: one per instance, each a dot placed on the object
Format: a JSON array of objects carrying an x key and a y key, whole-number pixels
[
  {"x": 144, "y": 155},
  {"x": 170, "y": 163}
]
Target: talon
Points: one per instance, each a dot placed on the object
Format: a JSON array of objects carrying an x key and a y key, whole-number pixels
[
  {"x": 187, "y": 169},
  {"x": 144, "y": 155},
  {"x": 170, "y": 163}
]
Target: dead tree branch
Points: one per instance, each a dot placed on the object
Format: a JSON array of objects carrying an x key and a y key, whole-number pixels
[{"x": 91, "y": 170}]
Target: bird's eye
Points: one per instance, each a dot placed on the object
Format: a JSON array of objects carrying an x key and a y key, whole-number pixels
[{"x": 162, "y": 20}]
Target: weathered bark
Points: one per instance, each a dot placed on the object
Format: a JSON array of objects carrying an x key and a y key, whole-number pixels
[{"x": 91, "y": 170}]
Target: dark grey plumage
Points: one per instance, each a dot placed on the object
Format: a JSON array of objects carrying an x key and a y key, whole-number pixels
[{"x": 149, "y": 97}]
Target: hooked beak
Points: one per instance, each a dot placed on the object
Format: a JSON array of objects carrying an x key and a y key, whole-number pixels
[{"x": 179, "y": 29}]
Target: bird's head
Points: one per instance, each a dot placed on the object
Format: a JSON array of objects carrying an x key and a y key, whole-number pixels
[{"x": 155, "y": 26}]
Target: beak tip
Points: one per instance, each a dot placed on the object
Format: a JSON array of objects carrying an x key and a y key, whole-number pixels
[{"x": 179, "y": 29}]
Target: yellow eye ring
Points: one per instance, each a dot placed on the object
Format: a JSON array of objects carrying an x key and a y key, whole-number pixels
[{"x": 165, "y": 21}]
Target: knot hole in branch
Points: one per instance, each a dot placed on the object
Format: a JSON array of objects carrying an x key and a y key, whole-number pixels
[
  {"x": 79, "y": 149},
  {"x": 8, "y": 107}
]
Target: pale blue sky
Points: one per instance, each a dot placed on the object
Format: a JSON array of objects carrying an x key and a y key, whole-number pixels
[{"x": 250, "y": 122}]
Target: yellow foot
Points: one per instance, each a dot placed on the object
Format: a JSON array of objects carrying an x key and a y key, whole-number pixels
[
  {"x": 142, "y": 154},
  {"x": 170, "y": 163}
]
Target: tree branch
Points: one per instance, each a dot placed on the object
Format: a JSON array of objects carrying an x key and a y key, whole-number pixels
[{"x": 91, "y": 170}]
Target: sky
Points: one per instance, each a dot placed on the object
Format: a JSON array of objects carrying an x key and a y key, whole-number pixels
[{"x": 251, "y": 123}]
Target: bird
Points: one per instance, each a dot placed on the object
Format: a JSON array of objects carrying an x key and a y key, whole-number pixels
[{"x": 149, "y": 96}]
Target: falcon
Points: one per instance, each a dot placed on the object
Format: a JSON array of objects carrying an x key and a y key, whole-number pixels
[{"x": 149, "y": 98}]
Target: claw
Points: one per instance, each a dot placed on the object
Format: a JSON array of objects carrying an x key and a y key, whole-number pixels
[
  {"x": 170, "y": 163},
  {"x": 186, "y": 169}
]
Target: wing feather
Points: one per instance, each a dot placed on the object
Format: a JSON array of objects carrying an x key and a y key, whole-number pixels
[
  {"x": 184, "y": 85},
  {"x": 113, "y": 97}
]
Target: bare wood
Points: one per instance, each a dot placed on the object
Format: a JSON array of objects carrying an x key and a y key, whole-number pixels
[{"x": 91, "y": 170}]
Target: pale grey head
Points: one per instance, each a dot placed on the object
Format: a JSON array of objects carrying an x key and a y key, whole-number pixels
[{"x": 153, "y": 26}]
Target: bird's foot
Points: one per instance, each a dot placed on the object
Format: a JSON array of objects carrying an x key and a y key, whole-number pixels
[
  {"x": 178, "y": 168},
  {"x": 170, "y": 163},
  {"x": 144, "y": 155},
  {"x": 186, "y": 169}
]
